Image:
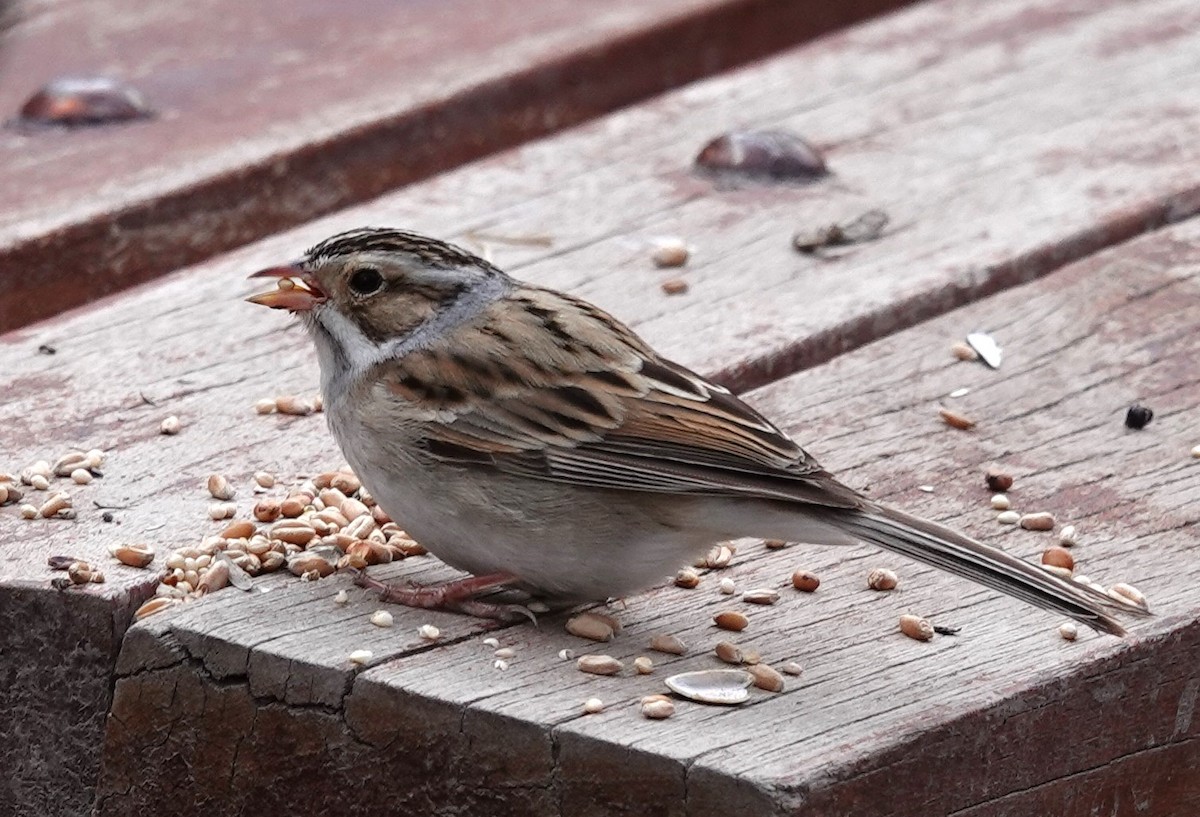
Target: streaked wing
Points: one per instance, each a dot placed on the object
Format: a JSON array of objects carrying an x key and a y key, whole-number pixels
[{"x": 609, "y": 416}]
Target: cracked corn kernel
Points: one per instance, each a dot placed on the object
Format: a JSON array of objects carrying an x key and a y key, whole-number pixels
[
  {"x": 361, "y": 656},
  {"x": 264, "y": 406},
  {"x": 500, "y": 664},
  {"x": 593, "y": 706},
  {"x": 727, "y": 586},
  {"x": 429, "y": 632},
  {"x": 1068, "y": 630},
  {"x": 170, "y": 425},
  {"x": 1068, "y": 536},
  {"x": 381, "y": 618},
  {"x": 342, "y": 597}
]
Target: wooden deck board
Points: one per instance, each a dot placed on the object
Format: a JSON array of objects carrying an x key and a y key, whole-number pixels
[
  {"x": 272, "y": 114},
  {"x": 877, "y": 724},
  {"x": 1005, "y": 204}
]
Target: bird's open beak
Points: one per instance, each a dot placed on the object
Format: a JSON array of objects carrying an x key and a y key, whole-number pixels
[{"x": 296, "y": 290}]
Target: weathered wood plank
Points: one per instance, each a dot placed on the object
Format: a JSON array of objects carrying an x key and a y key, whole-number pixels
[
  {"x": 272, "y": 114},
  {"x": 187, "y": 346},
  {"x": 1004, "y": 719}
]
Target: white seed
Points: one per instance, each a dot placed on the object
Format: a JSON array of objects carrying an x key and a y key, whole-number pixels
[
  {"x": 171, "y": 425},
  {"x": 41, "y": 468},
  {"x": 963, "y": 392},
  {"x": 1068, "y": 536},
  {"x": 566, "y": 655},
  {"x": 505, "y": 653},
  {"x": 342, "y": 597},
  {"x": 81, "y": 476},
  {"x": 1000, "y": 502},
  {"x": 264, "y": 406},
  {"x": 361, "y": 656},
  {"x": 658, "y": 709},
  {"x": 491, "y": 642},
  {"x": 429, "y": 632},
  {"x": 1128, "y": 593},
  {"x": 1008, "y": 517},
  {"x": 94, "y": 458},
  {"x": 925, "y": 488},
  {"x": 727, "y": 586},
  {"x": 381, "y": 618},
  {"x": 593, "y": 706},
  {"x": 265, "y": 479},
  {"x": 792, "y": 668},
  {"x": 1068, "y": 630},
  {"x": 1061, "y": 572},
  {"x": 221, "y": 510},
  {"x": 643, "y": 665},
  {"x": 1196, "y": 452},
  {"x": 39, "y": 482},
  {"x": 669, "y": 252},
  {"x": 598, "y": 664},
  {"x": 882, "y": 579},
  {"x": 1038, "y": 521},
  {"x": 500, "y": 664}
]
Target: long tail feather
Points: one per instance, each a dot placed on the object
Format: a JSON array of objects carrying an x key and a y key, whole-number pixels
[{"x": 955, "y": 553}]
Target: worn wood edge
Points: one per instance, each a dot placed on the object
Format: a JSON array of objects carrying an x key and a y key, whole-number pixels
[
  {"x": 58, "y": 655},
  {"x": 73, "y": 264}
]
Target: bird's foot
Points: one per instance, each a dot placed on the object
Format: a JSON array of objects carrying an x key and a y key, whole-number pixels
[{"x": 458, "y": 595}]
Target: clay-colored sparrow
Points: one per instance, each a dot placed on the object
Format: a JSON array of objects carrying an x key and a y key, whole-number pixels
[{"x": 531, "y": 439}]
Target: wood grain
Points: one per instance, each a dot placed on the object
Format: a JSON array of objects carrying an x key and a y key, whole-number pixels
[
  {"x": 943, "y": 115},
  {"x": 1006, "y": 718},
  {"x": 272, "y": 114}
]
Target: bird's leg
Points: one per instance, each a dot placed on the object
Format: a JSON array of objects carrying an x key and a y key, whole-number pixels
[{"x": 457, "y": 595}]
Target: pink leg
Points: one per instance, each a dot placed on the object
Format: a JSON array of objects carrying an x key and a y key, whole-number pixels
[{"x": 457, "y": 595}]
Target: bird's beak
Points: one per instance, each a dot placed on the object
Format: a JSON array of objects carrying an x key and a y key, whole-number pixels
[{"x": 297, "y": 290}]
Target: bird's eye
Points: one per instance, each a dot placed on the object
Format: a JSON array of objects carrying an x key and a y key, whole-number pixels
[{"x": 366, "y": 281}]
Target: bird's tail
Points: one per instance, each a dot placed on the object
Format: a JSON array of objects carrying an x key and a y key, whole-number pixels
[{"x": 961, "y": 555}]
